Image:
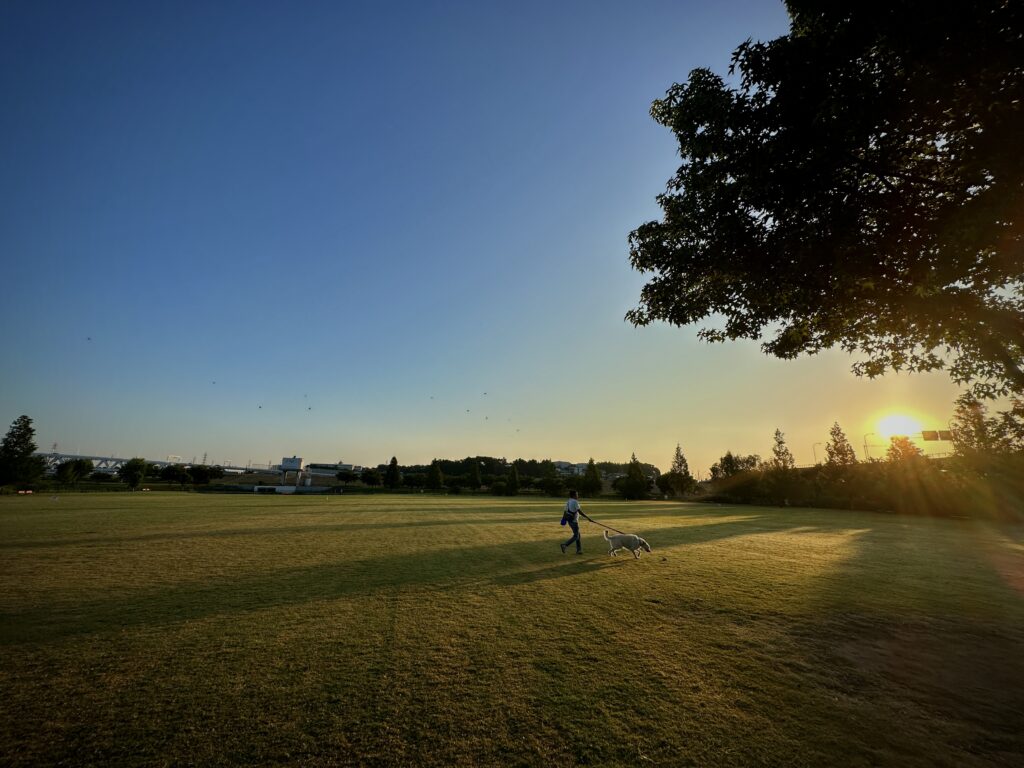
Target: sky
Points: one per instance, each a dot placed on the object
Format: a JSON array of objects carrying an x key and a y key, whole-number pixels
[{"x": 349, "y": 231}]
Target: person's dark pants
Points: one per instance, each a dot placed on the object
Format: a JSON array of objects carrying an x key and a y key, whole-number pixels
[{"x": 575, "y": 536}]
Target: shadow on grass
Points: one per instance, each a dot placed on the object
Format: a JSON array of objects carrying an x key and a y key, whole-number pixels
[
  {"x": 313, "y": 528},
  {"x": 517, "y": 562},
  {"x": 919, "y": 626},
  {"x": 574, "y": 567},
  {"x": 491, "y": 518}
]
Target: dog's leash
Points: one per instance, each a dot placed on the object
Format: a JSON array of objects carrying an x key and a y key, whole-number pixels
[{"x": 605, "y": 526}]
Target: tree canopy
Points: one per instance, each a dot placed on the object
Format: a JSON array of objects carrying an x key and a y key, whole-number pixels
[
  {"x": 175, "y": 473},
  {"x": 133, "y": 472},
  {"x": 512, "y": 481},
  {"x": 901, "y": 448},
  {"x": 860, "y": 187},
  {"x": 591, "y": 483},
  {"x": 71, "y": 471},
  {"x": 838, "y": 450},
  {"x": 732, "y": 464},
  {"x": 976, "y": 433},
  {"x": 782, "y": 457},
  {"x": 393, "y": 475},
  {"x": 371, "y": 476},
  {"x": 435, "y": 477},
  {"x": 635, "y": 483},
  {"x": 678, "y": 480},
  {"x": 17, "y": 462}
]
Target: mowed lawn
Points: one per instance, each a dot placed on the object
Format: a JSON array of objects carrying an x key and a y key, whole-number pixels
[{"x": 183, "y": 629}]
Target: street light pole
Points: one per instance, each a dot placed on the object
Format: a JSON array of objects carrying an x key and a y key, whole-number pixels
[
  {"x": 815, "y": 449},
  {"x": 867, "y": 456}
]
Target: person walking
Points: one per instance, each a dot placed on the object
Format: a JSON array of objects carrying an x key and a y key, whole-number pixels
[{"x": 571, "y": 517}]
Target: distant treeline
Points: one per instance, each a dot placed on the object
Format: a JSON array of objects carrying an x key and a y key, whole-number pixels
[
  {"x": 500, "y": 477},
  {"x": 527, "y": 468}
]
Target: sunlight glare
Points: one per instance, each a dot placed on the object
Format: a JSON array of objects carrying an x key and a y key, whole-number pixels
[{"x": 898, "y": 424}]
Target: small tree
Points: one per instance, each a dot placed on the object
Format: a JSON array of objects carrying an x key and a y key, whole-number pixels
[
  {"x": 782, "y": 458},
  {"x": 550, "y": 482},
  {"x": 680, "y": 481},
  {"x": 635, "y": 484},
  {"x": 67, "y": 473},
  {"x": 781, "y": 475},
  {"x": 17, "y": 462},
  {"x": 133, "y": 472},
  {"x": 838, "y": 476},
  {"x": 347, "y": 476},
  {"x": 201, "y": 474},
  {"x": 553, "y": 485},
  {"x": 473, "y": 477},
  {"x": 414, "y": 479},
  {"x": 435, "y": 478},
  {"x": 71, "y": 471},
  {"x": 901, "y": 449},
  {"x": 591, "y": 484},
  {"x": 664, "y": 483},
  {"x": 393, "y": 476},
  {"x": 512, "y": 481},
  {"x": 977, "y": 434},
  {"x": 679, "y": 463},
  {"x": 839, "y": 452},
  {"x": 371, "y": 476},
  {"x": 85, "y": 467},
  {"x": 175, "y": 473}
]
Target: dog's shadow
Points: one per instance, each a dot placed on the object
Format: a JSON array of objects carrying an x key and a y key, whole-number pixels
[{"x": 557, "y": 571}]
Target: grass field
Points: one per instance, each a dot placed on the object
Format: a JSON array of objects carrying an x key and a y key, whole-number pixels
[{"x": 173, "y": 629}]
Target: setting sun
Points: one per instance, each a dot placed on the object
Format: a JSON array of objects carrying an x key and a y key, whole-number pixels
[{"x": 895, "y": 424}]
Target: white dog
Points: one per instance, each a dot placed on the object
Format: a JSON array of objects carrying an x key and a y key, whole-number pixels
[{"x": 629, "y": 541}]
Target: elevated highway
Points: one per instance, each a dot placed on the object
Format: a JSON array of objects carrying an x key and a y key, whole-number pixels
[{"x": 111, "y": 464}]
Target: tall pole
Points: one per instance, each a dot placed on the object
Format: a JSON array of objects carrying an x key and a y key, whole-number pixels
[{"x": 867, "y": 456}]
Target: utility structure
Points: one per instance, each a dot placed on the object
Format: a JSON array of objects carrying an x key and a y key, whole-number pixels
[{"x": 294, "y": 464}]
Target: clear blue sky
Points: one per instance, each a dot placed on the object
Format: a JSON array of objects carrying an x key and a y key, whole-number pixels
[{"x": 361, "y": 217}]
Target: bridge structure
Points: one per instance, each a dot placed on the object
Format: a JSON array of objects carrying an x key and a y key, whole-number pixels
[{"x": 111, "y": 464}]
